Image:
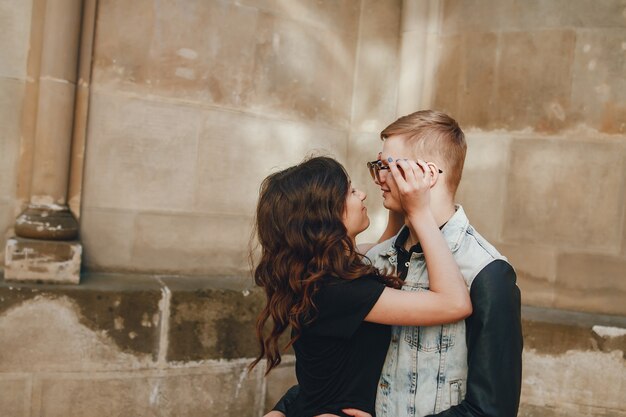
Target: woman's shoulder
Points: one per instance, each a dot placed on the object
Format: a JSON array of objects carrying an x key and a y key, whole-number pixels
[{"x": 333, "y": 286}]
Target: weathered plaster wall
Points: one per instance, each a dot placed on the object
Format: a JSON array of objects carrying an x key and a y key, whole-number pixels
[
  {"x": 179, "y": 346},
  {"x": 540, "y": 89},
  {"x": 119, "y": 345},
  {"x": 15, "y": 18}
]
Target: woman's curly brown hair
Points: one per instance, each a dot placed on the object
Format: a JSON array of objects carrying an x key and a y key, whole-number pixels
[{"x": 303, "y": 239}]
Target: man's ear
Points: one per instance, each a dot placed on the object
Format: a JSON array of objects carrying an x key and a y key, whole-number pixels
[{"x": 434, "y": 174}]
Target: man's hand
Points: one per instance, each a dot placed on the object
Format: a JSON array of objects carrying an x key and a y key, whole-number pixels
[
  {"x": 356, "y": 413},
  {"x": 274, "y": 414}
]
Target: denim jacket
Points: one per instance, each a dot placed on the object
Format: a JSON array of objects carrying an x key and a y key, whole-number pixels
[{"x": 425, "y": 371}]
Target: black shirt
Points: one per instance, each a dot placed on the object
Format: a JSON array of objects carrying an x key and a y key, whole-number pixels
[
  {"x": 404, "y": 256},
  {"x": 339, "y": 357}
]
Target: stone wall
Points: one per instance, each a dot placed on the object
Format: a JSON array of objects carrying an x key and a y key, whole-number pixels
[
  {"x": 129, "y": 346},
  {"x": 193, "y": 103},
  {"x": 174, "y": 346},
  {"x": 540, "y": 89}
]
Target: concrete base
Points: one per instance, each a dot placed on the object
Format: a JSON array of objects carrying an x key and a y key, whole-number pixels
[
  {"x": 29, "y": 260},
  {"x": 138, "y": 345}
]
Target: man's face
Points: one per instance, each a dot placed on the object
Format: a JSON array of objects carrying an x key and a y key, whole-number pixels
[{"x": 395, "y": 147}]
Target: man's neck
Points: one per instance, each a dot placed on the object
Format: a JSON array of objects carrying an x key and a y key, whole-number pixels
[{"x": 442, "y": 214}]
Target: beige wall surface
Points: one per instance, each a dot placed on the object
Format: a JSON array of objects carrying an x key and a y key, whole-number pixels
[
  {"x": 15, "y": 20},
  {"x": 540, "y": 90},
  {"x": 193, "y": 103}
]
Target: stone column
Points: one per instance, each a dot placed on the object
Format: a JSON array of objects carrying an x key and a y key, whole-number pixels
[{"x": 46, "y": 246}]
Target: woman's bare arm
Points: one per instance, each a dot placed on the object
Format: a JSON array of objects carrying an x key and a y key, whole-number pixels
[{"x": 447, "y": 300}]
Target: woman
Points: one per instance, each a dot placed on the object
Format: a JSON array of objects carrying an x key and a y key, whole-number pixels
[{"x": 338, "y": 306}]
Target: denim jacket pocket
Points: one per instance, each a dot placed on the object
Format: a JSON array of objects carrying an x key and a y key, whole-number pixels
[{"x": 431, "y": 338}]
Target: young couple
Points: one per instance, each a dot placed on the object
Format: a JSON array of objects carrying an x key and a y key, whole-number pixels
[{"x": 384, "y": 334}]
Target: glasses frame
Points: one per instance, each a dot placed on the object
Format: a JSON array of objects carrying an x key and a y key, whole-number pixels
[{"x": 376, "y": 166}]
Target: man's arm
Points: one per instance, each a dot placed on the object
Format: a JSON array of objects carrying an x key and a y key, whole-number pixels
[
  {"x": 494, "y": 346},
  {"x": 283, "y": 405}
]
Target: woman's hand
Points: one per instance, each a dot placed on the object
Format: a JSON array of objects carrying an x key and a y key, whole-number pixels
[
  {"x": 356, "y": 413},
  {"x": 413, "y": 187},
  {"x": 274, "y": 413}
]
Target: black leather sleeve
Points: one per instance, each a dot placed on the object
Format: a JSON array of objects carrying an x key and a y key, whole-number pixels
[
  {"x": 287, "y": 400},
  {"x": 494, "y": 346}
]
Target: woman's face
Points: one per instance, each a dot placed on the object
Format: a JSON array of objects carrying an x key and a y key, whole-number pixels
[{"x": 355, "y": 215}]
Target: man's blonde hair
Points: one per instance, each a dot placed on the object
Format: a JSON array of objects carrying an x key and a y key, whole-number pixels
[{"x": 433, "y": 135}]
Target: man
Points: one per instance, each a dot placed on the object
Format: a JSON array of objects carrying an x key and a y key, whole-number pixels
[{"x": 470, "y": 368}]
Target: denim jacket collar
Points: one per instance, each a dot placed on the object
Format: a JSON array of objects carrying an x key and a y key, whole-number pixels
[{"x": 453, "y": 232}]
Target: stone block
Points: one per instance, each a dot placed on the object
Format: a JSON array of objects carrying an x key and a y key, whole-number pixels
[
  {"x": 11, "y": 97},
  {"x": 563, "y": 192},
  {"x": 141, "y": 154},
  {"x": 15, "y": 396},
  {"x": 567, "y": 410},
  {"x": 15, "y": 20},
  {"x": 242, "y": 57},
  {"x": 210, "y": 321},
  {"x": 237, "y": 151},
  {"x": 591, "y": 282},
  {"x": 414, "y": 83},
  {"x": 465, "y": 78},
  {"x": 545, "y": 79},
  {"x": 42, "y": 261},
  {"x": 449, "y": 73},
  {"x": 599, "y": 89},
  {"x": 624, "y": 232},
  {"x": 376, "y": 81},
  {"x": 556, "y": 338},
  {"x": 482, "y": 191},
  {"x": 7, "y": 218},
  {"x": 503, "y": 15},
  {"x": 538, "y": 14},
  {"x": 610, "y": 338},
  {"x": 378, "y": 65},
  {"x": 107, "y": 322},
  {"x": 579, "y": 382},
  {"x": 324, "y": 14},
  {"x": 214, "y": 390},
  {"x": 535, "y": 266},
  {"x": 476, "y": 89},
  {"x": 381, "y": 18},
  {"x": 279, "y": 380},
  {"x": 303, "y": 73},
  {"x": 212, "y": 245},
  {"x": 417, "y": 15},
  {"x": 107, "y": 237},
  {"x": 191, "y": 57},
  {"x": 570, "y": 364},
  {"x": 459, "y": 16}
]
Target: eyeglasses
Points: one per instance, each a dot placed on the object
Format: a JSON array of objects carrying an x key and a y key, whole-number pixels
[{"x": 376, "y": 166}]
